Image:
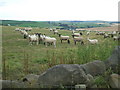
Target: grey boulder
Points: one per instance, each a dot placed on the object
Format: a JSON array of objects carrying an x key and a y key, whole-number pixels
[
  {"x": 64, "y": 74},
  {"x": 114, "y": 60},
  {"x": 114, "y": 81},
  {"x": 94, "y": 68}
]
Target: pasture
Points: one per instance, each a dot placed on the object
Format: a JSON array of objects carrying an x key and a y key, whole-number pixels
[{"x": 19, "y": 58}]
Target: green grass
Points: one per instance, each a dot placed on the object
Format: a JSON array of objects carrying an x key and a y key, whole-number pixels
[
  {"x": 54, "y": 24},
  {"x": 17, "y": 52}
]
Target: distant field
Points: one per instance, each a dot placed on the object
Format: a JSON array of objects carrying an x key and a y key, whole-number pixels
[
  {"x": 20, "y": 58},
  {"x": 114, "y": 28}
]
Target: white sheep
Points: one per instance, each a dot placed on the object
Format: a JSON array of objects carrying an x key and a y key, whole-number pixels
[
  {"x": 73, "y": 31},
  {"x": 51, "y": 29},
  {"x": 88, "y": 33},
  {"x": 76, "y": 34},
  {"x": 17, "y": 29},
  {"x": 47, "y": 40},
  {"x": 92, "y": 41},
  {"x": 55, "y": 31},
  {"x": 24, "y": 33},
  {"x": 78, "y": 39},
  {"x": 33, "y": 38},
  {"x": 64, "y": 38},
  {"x": 28, "y": 29},
  {"x": 116, "y": 38}
]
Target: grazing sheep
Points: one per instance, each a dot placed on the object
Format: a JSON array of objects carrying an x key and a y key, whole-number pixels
[
  {"x": 28, "y": 29},
  {"x": 114, "y": 32},
  {"x": 17, "y": 29},
  {"x": 116, "y": 38},
  {"x": 64, "y": 38},
  {"x": 33, "y": 38},
  {"x": 106, "y": 36},
  {"x": 51, "y": 29},
  {"x": 55, "y": 31},
  {"x": 78, "y": 39},
  {"x": 40, "y": 36},
  {"x": 76, "y": 34},
  {"x": 24, "y": 33},
  {"x": 88, "y": 33},
  {"x": 100, "y": 33},
  {"x": 92, "y": 41},
  {"x": 73, "y": 31},
  {"x": 49, "y": 40}
]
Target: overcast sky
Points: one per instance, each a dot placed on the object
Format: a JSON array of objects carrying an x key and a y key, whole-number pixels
[{"x": 54, "y": 10}]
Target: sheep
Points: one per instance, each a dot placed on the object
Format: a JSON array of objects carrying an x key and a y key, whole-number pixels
[
  {"x": 40, "y": 36},
  {"x": 51, "y": 29},
  {"x": 78, "y": 39},
  {"x": 88, "y": 33},
  {"x": 49, "y": 40},
  {"x": 55, "y": 31},
  {"x": 92, "y": 41},
  {"x": 116, "y": 38},
  {"x": 24, "y": 33},
  {"x": 28, "y": 29},
  {"x": 106, "y": 36},
  {"x": 73, "y": 31},
  {"x": 64, "y": 38},
  {"x": 100, "y": 33},
  {"x": 114, "y": 32},
  {"x": 76, "y": 34},
  {"x": 17, "y": 29},
  {"x": 33, "y": 38}
]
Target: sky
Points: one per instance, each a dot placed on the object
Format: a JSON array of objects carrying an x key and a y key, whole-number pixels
[{"x": 55, "y": 10}]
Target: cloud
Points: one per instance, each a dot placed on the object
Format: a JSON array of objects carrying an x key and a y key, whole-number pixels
[
  {"x": 60, "y": 10},
  {"x": 3, "y": 4}
]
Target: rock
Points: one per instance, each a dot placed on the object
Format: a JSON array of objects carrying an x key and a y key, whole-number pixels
[
  {"x": 30, "y": 80},
  {"x": 91, "y": 82},
  {"x": 114, "y": 60},
  {"x": 64, "y": 74},
  {"x": 11, "y": 84},
  {"x": 94, "y": 68},
  {"x": 114, "y": 81},
  {"x": 80, "y": 87}
]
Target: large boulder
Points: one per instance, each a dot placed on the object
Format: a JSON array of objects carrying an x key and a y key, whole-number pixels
[
  {"x": 113, "y": 61},
  {"x": 11, "y": 84},
  {"x": 114, "y": 81},
  {"x": 94, "y": 68},
  {"x": 64, "y": 74}
]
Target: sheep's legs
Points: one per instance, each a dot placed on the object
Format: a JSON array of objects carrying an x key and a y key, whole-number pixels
[
  {"x": 54, "y": 44},
  {"x": 68, "y": 41},
  {"x": 37, "y": 42},
  {"x": 82, "y": 43},
  {"x": 46, "y": 44},
  {"x": 75, "y": 42},
  {"x": 61, "y": 41}
]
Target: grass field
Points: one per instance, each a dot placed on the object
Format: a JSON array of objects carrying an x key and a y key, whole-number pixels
[{"x": 20, "y": 58}]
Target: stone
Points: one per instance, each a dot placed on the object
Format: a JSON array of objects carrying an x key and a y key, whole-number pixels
[
  {"x": 30, "y": 80},
  {"x": 11, "y": 84},
  {"x": 113, "y": 61},
  {"x": 94, "y": 68},
  {"x": 64, "y": 74},
  {"x": 114, "y": 81}
]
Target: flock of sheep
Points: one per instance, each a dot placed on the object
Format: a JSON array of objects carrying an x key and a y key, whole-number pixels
[{"x": 77, "y": 37}]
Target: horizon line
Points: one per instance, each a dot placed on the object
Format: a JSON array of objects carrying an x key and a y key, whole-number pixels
[{"x": 61, "y": 20}]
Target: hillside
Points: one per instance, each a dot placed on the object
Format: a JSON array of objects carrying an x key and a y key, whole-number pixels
[{"x": 57, "y": 24}]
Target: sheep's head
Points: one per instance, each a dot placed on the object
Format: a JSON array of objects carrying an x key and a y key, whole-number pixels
[
  {"x": 59, "y": 34},
  {"x": 73, "y": 36}
]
